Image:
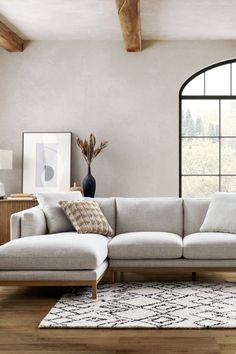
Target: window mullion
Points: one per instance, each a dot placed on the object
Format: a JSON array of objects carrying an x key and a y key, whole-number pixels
[
  {"x": 204, "y": 90},
  {"x": 231, "y": 80},
  {"x": 219, "y": 145}
]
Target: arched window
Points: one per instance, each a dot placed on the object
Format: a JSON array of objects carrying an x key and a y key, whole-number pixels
[{"x": 208, "y": 131}]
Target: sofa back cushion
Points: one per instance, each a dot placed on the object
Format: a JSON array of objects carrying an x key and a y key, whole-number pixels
[
  {"x": 194, "y": 214},
  {"x": 149, "y": 214},
  {"x": 57, "y": 221},
  {"x": 108, "y": 207}
]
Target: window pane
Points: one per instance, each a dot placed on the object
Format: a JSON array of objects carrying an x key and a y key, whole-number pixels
[
  {"x": 200, "y": 117},
  {"x": 218, "y": 80},
  {"x": 233, "y": 78},
  {"x": 195, "y": 86},
  {"x": 200, "y": 156},
  {"x": 228, "y": 183},
  {"x": 200, "y": 186},
  {"x": 228, "y": 117},
  {"x": 228, "y": 156}
]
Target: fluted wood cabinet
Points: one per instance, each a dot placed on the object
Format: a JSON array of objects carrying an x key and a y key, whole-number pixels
[{"x": 7, "y": 208}]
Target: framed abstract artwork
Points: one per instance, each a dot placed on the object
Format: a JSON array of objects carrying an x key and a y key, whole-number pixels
[{"x": 46, "y": 162}]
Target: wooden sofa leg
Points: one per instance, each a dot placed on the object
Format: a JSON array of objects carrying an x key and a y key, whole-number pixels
[
  {"x": 112, "y": 277},
  {"x": 194, "y": 276},
  {"x": 94, "y": 290},
  {"x": 122, "y": 277}
]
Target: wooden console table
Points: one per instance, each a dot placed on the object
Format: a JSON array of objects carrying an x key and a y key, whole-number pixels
[{"x": 7, "y": 208}]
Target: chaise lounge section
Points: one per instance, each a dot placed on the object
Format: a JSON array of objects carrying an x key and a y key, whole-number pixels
[{"x": 35, "y": 257}]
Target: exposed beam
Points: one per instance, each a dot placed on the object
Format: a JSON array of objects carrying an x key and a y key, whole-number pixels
[
  {"x": 129, "y": 15},
  {"x": 9, "y": 40}
]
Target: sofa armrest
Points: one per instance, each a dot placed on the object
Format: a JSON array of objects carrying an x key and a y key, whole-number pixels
[
  {"x": 29, "y": 222},
  {"x": 15, "y": 224}
]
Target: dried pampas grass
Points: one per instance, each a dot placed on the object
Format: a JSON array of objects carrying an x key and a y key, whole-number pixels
[{"x": 88, "y": 148}]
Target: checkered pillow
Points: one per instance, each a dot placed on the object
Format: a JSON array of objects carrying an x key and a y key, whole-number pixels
[{"x": 86, "y": 217}]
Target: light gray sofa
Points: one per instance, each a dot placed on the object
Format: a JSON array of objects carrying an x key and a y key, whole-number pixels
[{"x": 151, "y": 234}]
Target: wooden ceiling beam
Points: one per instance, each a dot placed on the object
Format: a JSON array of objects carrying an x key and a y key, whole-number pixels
[
  {"x": 129, "y": 16},
  {"x": 9, "y": 40}
]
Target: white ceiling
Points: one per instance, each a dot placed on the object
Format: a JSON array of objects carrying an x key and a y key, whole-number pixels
[{"x": 98, "y": 20}]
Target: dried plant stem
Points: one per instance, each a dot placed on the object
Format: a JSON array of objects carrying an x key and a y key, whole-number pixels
[{"x": 88, "y": 148}]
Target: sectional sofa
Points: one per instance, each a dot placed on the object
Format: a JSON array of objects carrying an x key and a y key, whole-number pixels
[{"x": 151, "y": 234}]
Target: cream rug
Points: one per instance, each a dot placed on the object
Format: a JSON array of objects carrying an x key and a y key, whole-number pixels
[{"x": 147, "y": 305}]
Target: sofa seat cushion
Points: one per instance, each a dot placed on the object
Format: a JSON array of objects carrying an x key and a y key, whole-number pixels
[
  {"x": 210, "y": 245},
  {"x": 145, "y": 245},
  {"x": 63, "y": 251}
]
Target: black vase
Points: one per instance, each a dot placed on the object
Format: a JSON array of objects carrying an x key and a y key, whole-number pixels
[{"x": 89, "y": 184}]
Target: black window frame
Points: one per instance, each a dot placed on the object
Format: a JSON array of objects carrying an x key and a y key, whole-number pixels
[{"x": 204, "y": 97}]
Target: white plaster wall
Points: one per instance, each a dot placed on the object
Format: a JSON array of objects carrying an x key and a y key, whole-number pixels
[{"x": 131, "y": 99}]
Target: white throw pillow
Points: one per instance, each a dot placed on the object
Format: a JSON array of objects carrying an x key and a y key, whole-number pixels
[
  {"x": 221, "y": 214},
  {"x": 56, "y": 218}
]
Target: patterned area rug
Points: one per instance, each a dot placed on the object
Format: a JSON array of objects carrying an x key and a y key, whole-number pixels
[{"x": 147, "y": 305}]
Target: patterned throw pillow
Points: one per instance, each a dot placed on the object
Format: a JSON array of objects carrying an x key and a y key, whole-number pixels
[{"x": 86, "y": 217}]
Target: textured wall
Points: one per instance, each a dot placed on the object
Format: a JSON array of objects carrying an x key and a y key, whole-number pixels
[{"x": 131, "y": 99}]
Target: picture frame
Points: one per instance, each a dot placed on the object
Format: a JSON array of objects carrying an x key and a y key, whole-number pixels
[{"x": 46, "y": 161}]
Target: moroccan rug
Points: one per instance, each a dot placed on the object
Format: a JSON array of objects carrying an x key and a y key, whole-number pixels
[{"x": 147, "y": 305}]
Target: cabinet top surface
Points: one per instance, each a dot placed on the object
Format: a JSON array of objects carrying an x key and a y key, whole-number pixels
[{"x": 18, "y": 201}]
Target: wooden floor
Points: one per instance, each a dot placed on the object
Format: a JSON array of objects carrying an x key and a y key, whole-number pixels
[{"x": 21, "y": 310}]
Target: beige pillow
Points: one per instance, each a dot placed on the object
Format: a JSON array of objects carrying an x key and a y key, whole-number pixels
[{"x": 86, "y": 217}]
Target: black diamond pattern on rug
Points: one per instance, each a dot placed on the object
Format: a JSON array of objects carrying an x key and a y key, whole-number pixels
[{"x": 147, "y": 305}]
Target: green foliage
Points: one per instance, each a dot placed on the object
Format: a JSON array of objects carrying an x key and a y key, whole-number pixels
[
  {"x": 199, "y": 122},
  {"x": 190, "y": 127},
  {"x": 199, "y": 128},
  {"x": 213, "y": 130},
  {"x": 200, "y": 186},
  {"x": 201, "y": 156}
]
